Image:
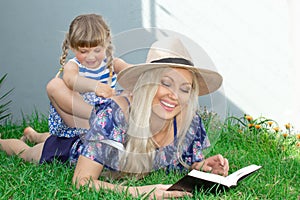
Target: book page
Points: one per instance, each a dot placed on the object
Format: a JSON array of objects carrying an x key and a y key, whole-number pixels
[
  {"x": 207, "y": 176},
  {"x": 236, "y": 176}
]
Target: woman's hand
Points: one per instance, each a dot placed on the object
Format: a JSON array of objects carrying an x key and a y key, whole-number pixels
[
  {"x": 158, "y": 191},
  {"x": 215, "y": 164}
]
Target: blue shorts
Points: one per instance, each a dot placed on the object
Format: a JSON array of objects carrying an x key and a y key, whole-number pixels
[{"x": 57, "y": 148}]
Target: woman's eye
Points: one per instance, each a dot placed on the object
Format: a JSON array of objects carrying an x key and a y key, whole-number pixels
[
  {"x": 165, "y": 83},
  {"x": 186, "y": 89}
]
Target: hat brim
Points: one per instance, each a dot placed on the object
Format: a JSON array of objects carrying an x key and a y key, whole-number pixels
[{"x": 209, "y": 81}]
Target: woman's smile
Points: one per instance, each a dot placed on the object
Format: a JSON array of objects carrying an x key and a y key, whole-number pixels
[{"x": 167, "y": 106}]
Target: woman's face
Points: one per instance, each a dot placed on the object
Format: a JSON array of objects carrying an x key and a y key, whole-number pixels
[{"x": 173, "y": 93}]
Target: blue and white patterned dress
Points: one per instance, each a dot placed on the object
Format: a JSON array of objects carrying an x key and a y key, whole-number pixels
[
  {"x": 108, "y": 123},
  {"x": 56, "y": 124}
]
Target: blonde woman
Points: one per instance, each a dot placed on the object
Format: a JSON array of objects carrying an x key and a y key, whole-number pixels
[{"x": 154, "y": 127}]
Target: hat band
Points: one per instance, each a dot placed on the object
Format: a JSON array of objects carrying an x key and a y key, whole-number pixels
[{"x": 174, "y": 61}]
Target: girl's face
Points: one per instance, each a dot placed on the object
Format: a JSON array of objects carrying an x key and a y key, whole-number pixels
[
  {"x": 90, "y": 57},
  {"x": 173, "y": 93}
]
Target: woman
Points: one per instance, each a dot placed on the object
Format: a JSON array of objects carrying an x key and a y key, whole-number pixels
[{"x": 154, "y": 127}]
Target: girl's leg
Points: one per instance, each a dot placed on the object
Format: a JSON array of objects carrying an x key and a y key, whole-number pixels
[
  {"x": 34, "y": 137},
  {"x": 19, "y": 148},
  {"x": 69, "y": 104}
]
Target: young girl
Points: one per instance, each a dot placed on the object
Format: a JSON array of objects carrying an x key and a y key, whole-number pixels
[{"x": 87, "y": 77}]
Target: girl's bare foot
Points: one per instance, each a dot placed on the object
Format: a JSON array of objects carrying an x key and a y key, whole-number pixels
[
  {"x": 28, "y": 134},
  {"x": 34, "y": 137}
]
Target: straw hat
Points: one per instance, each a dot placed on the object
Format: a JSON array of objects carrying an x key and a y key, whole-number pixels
[{"x": 170, "y": 52}]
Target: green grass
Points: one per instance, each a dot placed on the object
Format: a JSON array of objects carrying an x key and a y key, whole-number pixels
[{"x": 278, "y": 179}]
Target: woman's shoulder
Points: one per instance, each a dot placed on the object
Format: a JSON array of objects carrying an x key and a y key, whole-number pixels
[
  {"x": 113, "y": 105},
  {"x": 122, "y": 101},
  {"x": 107, "y": 114},
  {"x": 122, "y": 98}
]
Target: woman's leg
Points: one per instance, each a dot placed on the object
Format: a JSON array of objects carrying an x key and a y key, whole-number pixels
[
  {"x": 69, "y": 104},
  {"x": 19, "y": 148},
  {"x": 34, "y": 137}
]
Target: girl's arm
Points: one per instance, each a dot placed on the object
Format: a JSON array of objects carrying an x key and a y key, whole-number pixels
[
  {"x": 119, "y": 65},
  {"x": 88, "y": 171},
  {"x": 82, "y": 84}
]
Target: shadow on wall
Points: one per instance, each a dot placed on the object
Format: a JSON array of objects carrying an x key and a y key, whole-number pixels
[{"x": 133, "y": 46}]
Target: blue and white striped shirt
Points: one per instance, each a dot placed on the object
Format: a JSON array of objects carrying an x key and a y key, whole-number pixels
[{"x": 100, "y": 74}]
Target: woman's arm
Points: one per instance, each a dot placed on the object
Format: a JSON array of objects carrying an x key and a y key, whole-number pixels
[
  {"x": 82, "y": 84},
  {"x": 88, "y": 171}
]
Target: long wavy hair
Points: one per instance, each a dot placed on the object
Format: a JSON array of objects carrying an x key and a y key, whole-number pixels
[{"x": 139, "y": 153}]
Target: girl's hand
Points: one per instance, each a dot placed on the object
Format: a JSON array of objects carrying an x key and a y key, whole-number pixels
[
  {"x": 104, "y": 90},
  {"x": 215, "y": 164},
  {"x": 158, "y": 191}
]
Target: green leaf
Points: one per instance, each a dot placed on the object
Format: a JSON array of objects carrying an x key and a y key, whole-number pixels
[{"x": 4, "y": 105}]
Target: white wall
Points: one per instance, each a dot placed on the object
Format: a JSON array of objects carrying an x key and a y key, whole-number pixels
[
  {"x": 249, "y": 42},
  {"x": 294, "y": 72},
  {"x": 254, "y": 44}
]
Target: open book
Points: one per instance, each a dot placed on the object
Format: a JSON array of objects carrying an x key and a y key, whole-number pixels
[{"x": 197, "y": 179}]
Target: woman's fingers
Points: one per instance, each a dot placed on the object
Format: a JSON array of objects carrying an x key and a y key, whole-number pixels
[
  {"x": 226, "y": 167},
  {"x": 216, "y": 164}
]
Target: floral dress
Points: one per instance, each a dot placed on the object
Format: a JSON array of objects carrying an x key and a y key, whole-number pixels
[{"x": 104, "y": 141}]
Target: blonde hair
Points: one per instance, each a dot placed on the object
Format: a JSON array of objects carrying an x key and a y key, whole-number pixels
[
  {"x": 140, "y": 148},
  {"x": 88, "y": 30}
]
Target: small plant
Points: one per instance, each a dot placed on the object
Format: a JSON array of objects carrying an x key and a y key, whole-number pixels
[
  {"x": 212, "y": 124},
  {"x": 4, "y": 104},
  {"x": 286, "y": 137}
]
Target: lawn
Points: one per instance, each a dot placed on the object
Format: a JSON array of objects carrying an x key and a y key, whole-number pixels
[{"x": 243, "y": 141}]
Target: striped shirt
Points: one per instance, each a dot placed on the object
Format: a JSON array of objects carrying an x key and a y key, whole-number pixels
[{"x": 100, "y": 74}]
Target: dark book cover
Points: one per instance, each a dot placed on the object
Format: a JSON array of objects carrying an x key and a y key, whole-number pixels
[{"x": 197, "y": 179}]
